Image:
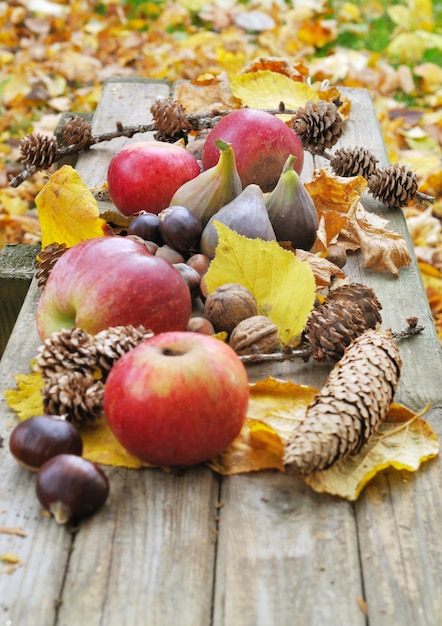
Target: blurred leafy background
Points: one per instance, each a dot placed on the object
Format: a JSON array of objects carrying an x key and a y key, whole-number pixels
[{"x": 55, "y": 56}]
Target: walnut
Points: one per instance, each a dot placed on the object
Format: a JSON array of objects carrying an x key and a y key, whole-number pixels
[
  {"x": 255, "y": 335},
  {"x": 228, "y": 305}
]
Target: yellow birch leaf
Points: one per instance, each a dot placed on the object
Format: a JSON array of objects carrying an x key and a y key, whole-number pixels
[
  {"x": 265, "y": 89},
  {"x": 275, "y": 408},
  {"x": 284, "y": 286},
  {"x": 67, "y": 210},
  {"x": 403, "y": 442},
  {"x": 26, "y": 400}
]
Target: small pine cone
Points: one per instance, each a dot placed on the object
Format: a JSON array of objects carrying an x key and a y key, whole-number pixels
[
  {"x": 354, "y": 162},
  {"x": 362, "y": 296},
  {"x": 110, "y": 344},
  {"x": 64, "y": 351},
  {"x": 77, "y": 132},
  {"x": 331, "y": 328},
  {"x": 170, "y": 120},
  {"x": 47, "y": 258},
  {"x": 39, "y": 151},
  {"x": 318, "y": 125},
  {"x": 75, "y": 395},
  {"x": 352, "y": 404},
  {"x": 395, "y": 185}
]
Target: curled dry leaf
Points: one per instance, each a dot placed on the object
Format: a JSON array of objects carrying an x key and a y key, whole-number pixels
[
  {"x": 343, "y": 218},
  {"x": 403, "y": 442}
]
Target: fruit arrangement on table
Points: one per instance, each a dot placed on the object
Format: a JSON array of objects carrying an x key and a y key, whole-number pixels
[{"x": 129, "y": 326}]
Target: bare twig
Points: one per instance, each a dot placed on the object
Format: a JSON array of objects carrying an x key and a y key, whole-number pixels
[{"x": 305, "y": 351}]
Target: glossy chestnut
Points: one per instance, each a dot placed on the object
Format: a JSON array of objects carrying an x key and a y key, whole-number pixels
[
  {"x": 39, "y": 438},
  {"x": 71, "y": 487},
  {"x": 180, "y": 228}
]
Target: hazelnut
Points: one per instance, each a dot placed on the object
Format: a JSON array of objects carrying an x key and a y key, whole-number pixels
[
  {"x": 200, "y": 325},
  {"x": 228, "y": 305},
  {"x": 255, "y": 335}
]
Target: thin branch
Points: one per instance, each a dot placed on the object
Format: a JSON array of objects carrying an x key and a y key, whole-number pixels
[{"x": 306, "y": 350}]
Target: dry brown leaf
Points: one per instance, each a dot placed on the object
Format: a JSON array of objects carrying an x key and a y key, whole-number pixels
[
  {"x": 381, "y": 249},
  {"x": 323, "y": 270}
]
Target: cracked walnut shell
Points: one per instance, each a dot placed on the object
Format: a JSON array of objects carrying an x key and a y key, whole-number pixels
[
  {"x": 228, "y": 305},
  {"x": 255, "y": 335}
]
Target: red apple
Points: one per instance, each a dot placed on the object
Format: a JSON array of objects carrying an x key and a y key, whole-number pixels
[
  {"x": 179, "y": 398},
  {"x": 261, "y": 143},
  {"x": 113, "y": 281},
  {"x": 144, "y": 175}
]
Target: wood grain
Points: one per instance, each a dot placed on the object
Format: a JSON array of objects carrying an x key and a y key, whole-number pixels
[{"x": 247, "y": 550}]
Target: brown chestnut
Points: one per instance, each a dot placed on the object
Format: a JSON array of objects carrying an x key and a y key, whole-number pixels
[
  {"x": 71, "y": 487},
  {"x": 170, "y": 254},
  {"x": 191, "y": 277},
  {"x": 199, "y": 262},
  {"x": 147, "y": 226},
  {"x": 200, "y": 325},
  {"x": 39, "y": 438},
  {"x": 180, "y": 228}
]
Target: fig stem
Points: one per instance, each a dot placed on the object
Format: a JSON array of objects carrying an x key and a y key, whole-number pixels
[{"x": 305, "y": 351}]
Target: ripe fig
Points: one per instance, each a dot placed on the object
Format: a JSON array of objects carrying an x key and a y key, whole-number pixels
[
  {"x": 246, "y": 214},
  {"x": 291, "y": 210},
  {"x": 213, "y": 188},
  {"x": 179, "y": 228}
]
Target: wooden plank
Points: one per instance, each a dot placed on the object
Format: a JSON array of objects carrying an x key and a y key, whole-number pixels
[
  {"x": 151, "y": 520},
  {"x": 391, "y": 571},
  {"x": 154, "y": 546},
  {"x": 16, "y": 272}
]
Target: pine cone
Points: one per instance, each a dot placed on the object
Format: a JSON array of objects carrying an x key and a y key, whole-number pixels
[
  {"x": 347, "y": 312},
  {"x": 66, "y": 350},
  {"x": 353, "y": 162},
  {"x": 395, "y": 185},
  {"x": 110, "y": 344},
  {"x": 38, "y": 151},
  {"x": 77, "y": 132},
  {"x": 354, "y": 401},
  {"x": 75, "y": 395},
  {"x": 318, "y": 125},
  {"x": 331, "y": 328},
  {"x": 47, "y": 258},
  {"x": 361, "y": 295},
  {"x": 170, "y": 120}
]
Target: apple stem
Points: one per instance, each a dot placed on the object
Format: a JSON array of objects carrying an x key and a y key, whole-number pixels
[{"x": 305, "y": 351}]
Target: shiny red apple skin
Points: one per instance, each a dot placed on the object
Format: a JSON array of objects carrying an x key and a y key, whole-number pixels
[
  {"x": 113, "y": 281},
  {"x": 177, "y": 399},
  {"x": 144, "y": 175},
  {"x": 261, "y": 143}
]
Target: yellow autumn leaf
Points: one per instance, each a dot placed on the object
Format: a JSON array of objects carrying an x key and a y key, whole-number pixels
[
  {"x": 26, "y": 399},
  {"x": 100, "y": 446},
  {"x": 283, "y": 286},
  {"x": 403, "y": 442},
  {"x": 265, "y": 89},
  {"x": 67, "y": 210},
  {"x": 275, "y": 408}
]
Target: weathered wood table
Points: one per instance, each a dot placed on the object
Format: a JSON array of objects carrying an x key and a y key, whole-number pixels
[{"x": 249, "y": 550}]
